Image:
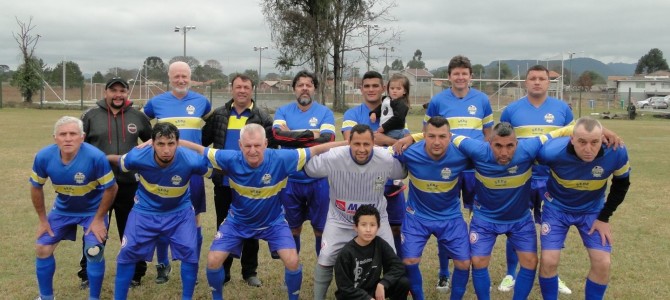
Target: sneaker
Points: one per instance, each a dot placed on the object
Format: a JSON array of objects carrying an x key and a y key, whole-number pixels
[
  {"x": 443, "y": 284},
  {"x": 83, "y": 285},
  {"x": 563, "y": 288},
  {"x": 507, "y": 284},
  {"x": 253, "y": 281},
  {"x": 135, "y": 283},
  {"x": 163, "y": 273}
]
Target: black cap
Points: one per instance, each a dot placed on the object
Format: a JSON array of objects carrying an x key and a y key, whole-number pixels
[{"x": 114, "y": 81}]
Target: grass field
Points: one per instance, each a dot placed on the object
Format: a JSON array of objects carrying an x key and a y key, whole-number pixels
[{"x": 640, "y": 225}]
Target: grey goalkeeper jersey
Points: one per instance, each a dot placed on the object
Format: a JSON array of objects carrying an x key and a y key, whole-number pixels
[{"x": 353, "y": 185}]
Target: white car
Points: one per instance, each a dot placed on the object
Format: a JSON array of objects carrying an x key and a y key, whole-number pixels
[{"x": 652, "y": 102}]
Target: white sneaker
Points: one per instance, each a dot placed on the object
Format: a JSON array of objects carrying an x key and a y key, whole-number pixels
[
  {"x": 507, "y": 284},
  {"x": 563, "y": 288},
  {"x": 443, "y": 284}
]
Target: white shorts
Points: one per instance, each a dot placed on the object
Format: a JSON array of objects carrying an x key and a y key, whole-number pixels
[{"x": 335, "y": 237}]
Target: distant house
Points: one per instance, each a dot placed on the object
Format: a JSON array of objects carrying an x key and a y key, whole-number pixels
[
  {"x": 269, "y": 86},
  {"x": 417, "y": 75},
  {"x": 643, "y": 86}
]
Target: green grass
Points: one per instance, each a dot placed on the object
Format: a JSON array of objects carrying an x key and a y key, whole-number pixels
[{"x": 640, "y": 226}]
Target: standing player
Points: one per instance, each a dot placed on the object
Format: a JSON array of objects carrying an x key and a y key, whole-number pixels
[
  {"x": 580, "y": 166},
  {"x": 162, "y": 207},
  {"x": 184, "y": 109},
  {"x": 114, "y": 127},
  {"x": 301, "y": 124},
  {"x": 222, "y": 130},
  {"x": 533, "y": 115},
  {"x": 257, "y": 175},
  {"x": 85, "y": 189},
  {"x": 433, "y": 206},
  {"x": 358, "y": 174}
]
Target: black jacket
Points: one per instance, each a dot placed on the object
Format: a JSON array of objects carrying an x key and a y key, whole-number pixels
[{"x": 116, "y": 134}]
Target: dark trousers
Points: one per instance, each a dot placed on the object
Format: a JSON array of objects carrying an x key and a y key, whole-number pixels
[
  {"x": 398, "y": 291},
  {"x": 223, "y": 196},
  {"x": 123, "y": 203}
]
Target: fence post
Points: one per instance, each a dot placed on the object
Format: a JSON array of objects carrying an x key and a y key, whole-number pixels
[{"x": 0, "y": 94}]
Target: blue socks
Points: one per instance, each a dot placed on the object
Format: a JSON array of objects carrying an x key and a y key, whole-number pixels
[
  {"x": 162, "y": 250},
  {"x": 415, "y": 281},
  {"x": 96, "y": 272},
  {"x": 189, "y": 272},
  {"x": 215, "y": 279},
  {"x": 317, "y": 245},
  {"x": 512, "y": 259},
  {"x": 443, "y": 255},
  {"x": 293, "y": 282},
  {"x": 199, "y": 238},
  {"x": 124, "y": 274},
  {"x": 524, "y": 283},
  {"x": 481, "y": 280},
  {"x": 458, "y": 283},
  {"x": 397, "y": 243},
  {"x": 594, "y": 291},
  {"x": 296, "y": 239},
  {"x": 549, "y": 287},
  {"x": 45, "y": 269}
]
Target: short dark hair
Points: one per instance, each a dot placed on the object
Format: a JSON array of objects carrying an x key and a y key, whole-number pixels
[
  {"x": 438, "y": 121},
  {"x": 164, "y": 129},
  {"x": 361, "y": 129},
  {"x": 307, "y": 74},
  {"x": 244, "y": 78},
  {"x": 366, "y": 210},
  {"x": 459, "y": 61},
  {"x": 537, "y": 68},
  {"x": 502, "y": 129},
  {"x": 373, "y": 74}
]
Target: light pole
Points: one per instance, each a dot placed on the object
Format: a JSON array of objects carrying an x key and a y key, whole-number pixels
[
  {"x": 260, "y": 53},
  {"x": 375, "y": 26},
  {"x": 184, "y": 29},
  {"x": 386, "y": 59},
  {"x": 570, "y": 74}
]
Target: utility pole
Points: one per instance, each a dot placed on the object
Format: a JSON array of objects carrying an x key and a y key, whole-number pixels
[
  {"x": 386, "y": 59},
  {"x": 184, "y": 29},
  {"x": 374, "y": 26}
]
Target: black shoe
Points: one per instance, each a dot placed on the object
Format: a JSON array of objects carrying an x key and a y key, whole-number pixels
[
  {"x": 163, "y": 273},
  {"x": 84, "y": 284},
  {"x": 135, "y": 283}
]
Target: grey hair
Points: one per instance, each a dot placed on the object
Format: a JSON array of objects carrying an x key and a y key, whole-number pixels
[
  {"x": 253, "y": 128},
  {"x": 588, "y": 123},
  {"x": 502, "y": 129},
  {"x": 176, "y": 63},
  {"x": 69, "y": 120}
]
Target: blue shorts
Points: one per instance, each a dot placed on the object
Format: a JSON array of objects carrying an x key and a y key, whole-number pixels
[
  {"x": 143, "y": 230},
  {"x": 65, "y": 228},
  {"x": 197, "y": 188},
  {"x": 468, "y": 182},
  {"x": 538, "y": 192},
  {"x": 306, "y": 201},
  {"x": 396, "y": 133},
  {"x": 453, "y": 234},
  {"x": 230, "y": 236},
  {"x": 555, "y": 226},
  {"x": 395, "y": 207},
  {"x": 483, "y": 235}
]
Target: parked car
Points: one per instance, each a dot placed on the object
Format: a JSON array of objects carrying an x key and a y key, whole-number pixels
[
  {"x": 652, "y": 102},
  {"x": 658, "y": 103}
]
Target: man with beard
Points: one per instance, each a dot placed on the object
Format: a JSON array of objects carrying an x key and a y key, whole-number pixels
[
  {"x": 114, "y": 127},
  {"x": 184, "y": 109},
  {"x": 301, "y": 124}
]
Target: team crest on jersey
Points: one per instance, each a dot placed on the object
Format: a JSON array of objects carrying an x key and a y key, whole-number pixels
[
  {"x": 473, "y": 237},
  {"x": 409, "y": 210},
  {"x": 597, "y": 171},
  {"x": 549, "y": 118},
  {"x": 445, "y": 173},
  {"x": 79, "y": 177},
  {"x": 176, "y": 180},
  {"x": 313, "y": 121},
  {"x": 124, "y": 241},
  {"x": 513, "y": 170},
  {"x": 548, "y": 197},
  {"x": 132, "y": 128},
  {"x": 379, "y": 183},
  {"x": 190, "y": 109},
  {"x": 136, "y": 200},
  {"x": 267, "y": 178},
  {"x": 546, "y": 228},
  {"x": 218, "y": 235},
  {"x": 472, "y": 109}
]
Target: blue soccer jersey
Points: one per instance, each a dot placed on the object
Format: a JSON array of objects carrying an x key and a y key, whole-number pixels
[
  {"x": 467, "y": 116},
  {"x": 361, "y": 115},
  {"x": 529, "y": 121},
  {"x": 434, "y": 189},
  {"x": 317, "y": 117},
  {"x": 163, "y": 190},
  {"x": 185, "y": 113},
  {"x": 256, "y": 203},
  {"x": 502, "y": 191},
  {"x": 79, "y": 184},
  {"x": 576, "y": 186}
]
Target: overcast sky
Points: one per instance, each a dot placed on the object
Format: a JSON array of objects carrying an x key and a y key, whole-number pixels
[{"x": 102, "y": 35}]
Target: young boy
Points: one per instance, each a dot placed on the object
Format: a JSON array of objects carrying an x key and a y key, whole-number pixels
[{"x": 359, "y": 266}]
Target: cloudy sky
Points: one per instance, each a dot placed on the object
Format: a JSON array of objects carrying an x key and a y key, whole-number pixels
[{"x": 122, "y": 33}]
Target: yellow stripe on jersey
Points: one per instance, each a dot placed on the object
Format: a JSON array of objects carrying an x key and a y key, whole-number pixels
[
  {"x": 417, "y": 137},
  {"x": 163, "y": 191},
  {"x": 37, "y": 178},
  {"x": 506, "y": 182},
  {"x": 258, "y": 193},
  {"x": 237, "y": 123},
  {"x": 75, "y": 190},
  {"x": 211, "y": 156},
  {"x": 458, "y": 140},
  {"x": 426, "y": 118},
  {"x": 185, "y": 122},
  {"x": 580, "y": 184},
  {"x": 429, "y": 186},
  {"x": 465, "y": 123},
  {"x": 209, "y": 173},
  {"x": 534, "y": 130},
  {"x": 330, "y": 127},
  {"x": 122, "y": 163},
  {"x": 279, "y": 122},
  {"x": 302, "y": 158},
  {"x": 563, "y": 131},
  {"x": 349, "y": 123},
  {"x": 622, "y": 170},
  {"x": 106, "y": 178},
  {"x": 487, "y": 119}
]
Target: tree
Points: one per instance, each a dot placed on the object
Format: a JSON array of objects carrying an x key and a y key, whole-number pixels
[
  {"x": 397, "y": 65},
  {"x": 98, "y": 78},
  {"x": 478, "y": 70},
  {"x": 126, "y": 74},
  {"x": 584, "y": 81},
  {"x": 214, "y": 64},
  {"x": 156, "y": 69},
  {"x": 272, "y": 76},
  {"x": 5, "y": 73},
  {"x": 27, "y": 76},
  {"x": 73, "y": 75},
  {"x": 416, "y": 62},
  {"x": 253, "y": 74},
  {"x": 190, "y": 60},
  {"x": 651, "y": 62}
]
